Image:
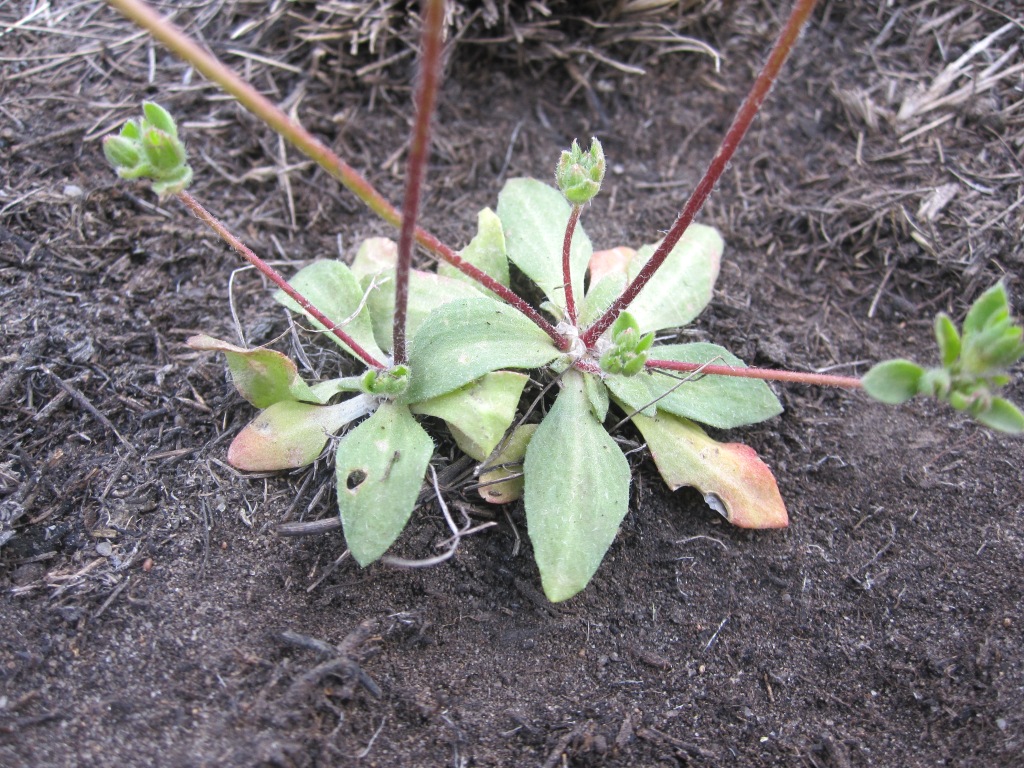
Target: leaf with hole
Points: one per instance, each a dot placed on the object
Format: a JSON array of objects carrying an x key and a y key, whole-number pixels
[{"x": 380, "y": 467}]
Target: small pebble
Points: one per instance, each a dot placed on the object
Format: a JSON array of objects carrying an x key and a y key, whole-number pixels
[
  {"x": 103, "y": 549},
  {"x": 147, "y": 564},
  {"x": 72, "y": 190}
]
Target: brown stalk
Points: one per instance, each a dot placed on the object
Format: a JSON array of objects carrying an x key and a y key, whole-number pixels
[{"x": 744, "y": 116}]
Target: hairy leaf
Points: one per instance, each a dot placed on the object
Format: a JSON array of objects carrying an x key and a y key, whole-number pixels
[
  {"x": 534, "y": 216},
  {"x": 734, "y": 481},
  {"x": 380, "y": 466},
  {"x": 463, "y": 340},
  {"x": 375, "y": 267},
  {"x": 1004, "y": 416},
  {"x": 893, "y": 382},
  {"x": 576, "y": 491},
  {"x": 634, "y": 393},
  {"x": 719, "y": 401},
  {"x": 600, "y": 297},
  {"x": 332, "y": 288},
  {"x": 486, "y": 251},
  {"x": 597, "y": 395},
  {"x": 507, "y": 463},
  {"x": 261, "y": 376},
  {"x": 290, "y": 434},
  {"x": 682, "y": 287},
  {"x": 479, "y": 413}
]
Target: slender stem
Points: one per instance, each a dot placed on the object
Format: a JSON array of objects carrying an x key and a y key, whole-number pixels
[
  {"x": 747, "y": 111},
  {"x": 419, "y": 148},
  {"x": 570, "y": 300},
  {"x": 795, "y": 377},
  {"x": 275, "y": 277},
  {"x": 181, "y": 45}
]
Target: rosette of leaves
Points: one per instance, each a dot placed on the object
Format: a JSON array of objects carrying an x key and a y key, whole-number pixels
[
  {"x": 380, "y": 464},
  {"x": 974, "y": 365},
  {"x": 575, "y": 478}
]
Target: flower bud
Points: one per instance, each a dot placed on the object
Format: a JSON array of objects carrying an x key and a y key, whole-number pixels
[
  {"x": 121, "y": 153},
  {"x": 579, "y": 174}
]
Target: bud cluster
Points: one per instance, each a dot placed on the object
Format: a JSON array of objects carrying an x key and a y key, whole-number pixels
[
  {"x": 390, "y": 382},
  {"x": 579, "y": 174},
  {"x": 628, "y": 352},
  {"x": 974, "y": 365},
  {"x": 150, "y": 149}
]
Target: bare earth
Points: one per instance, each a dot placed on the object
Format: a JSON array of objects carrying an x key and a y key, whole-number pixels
[{"x": 149, "y": 615}]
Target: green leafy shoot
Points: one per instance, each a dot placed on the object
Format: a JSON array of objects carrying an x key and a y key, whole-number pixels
[{"x": 974, "y": 366}]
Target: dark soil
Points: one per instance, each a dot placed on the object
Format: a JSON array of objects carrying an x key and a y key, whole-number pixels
[{"x": 151, "y": 616}]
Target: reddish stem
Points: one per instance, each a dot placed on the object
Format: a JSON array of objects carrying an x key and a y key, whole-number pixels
[
  {"x": 162, "y": 29},
  {"x": 747, "y": 111},
  {"x": 796, "y": 377},
  {"x": 275, "y": 277},
  {"x": 570, "y": 300},
  {"x": 419, "y": 147}
]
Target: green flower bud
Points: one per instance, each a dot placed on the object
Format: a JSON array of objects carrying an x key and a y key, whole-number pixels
[
  {"x": 160, "y": 118},
  {"x": 150, "y": 149},
  {"x": 388, "y": 383},
  {"x": 579, "y": 174},
  {"x": 122, "y": 153}
]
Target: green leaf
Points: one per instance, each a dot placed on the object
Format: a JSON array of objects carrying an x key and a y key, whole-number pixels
[
  {"x": 331, "y": 287},
  {"x": 893, "y": 382},
  {"x": 992, "y": 305},
  {"x": 374, "y": 265},
  {"x": 734, "y": 481},
  {"x": 478, "y": 414},
  {"x": 380, "y": 466},
  {"x": 719, "y": 401},
  {"x": 948, "y": 339},
  {"x": 512, "y": 454},
  {"x": 463, "y": 340},
  {"x": 534, "y": 216},
  {"x": 290, "y": 434},
  {"x": 261, "y": 376},
  {"x": 597, "y": 395},
  {"x": 600, "y": 297},
  {"x": 1003, "y": 416},
  {"x": 576, "y": 492},
  {"x": 634, "y": 393},
  {"x": 486, "y": 251},
  {"x": 682, "y": 287}
]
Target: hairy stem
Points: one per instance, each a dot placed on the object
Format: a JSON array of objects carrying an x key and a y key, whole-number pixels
[
  {"x": 275, "y": 277},
  {"x": 570, "y": 300},
  {"x": 744, "y": 116},
  {"x": 185, "y": 48},
  {"x": 419, "y": 147},
  {"x": 767, "y": 374}
]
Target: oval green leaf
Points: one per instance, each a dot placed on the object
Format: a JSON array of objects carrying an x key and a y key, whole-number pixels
[
  {"x": 332, "y": 288},
  {"x": 682, "y": 287},
  {"x": 261, "y": 376},
  {"x": 534, "y": 216},
  {"x": 576, "y": 491},
  {"x": 718, "y": 401},
  {"x": 893, "y": 382},
  {"x": 463, "y": 340},
  {"x": 380, "y": 466}
]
